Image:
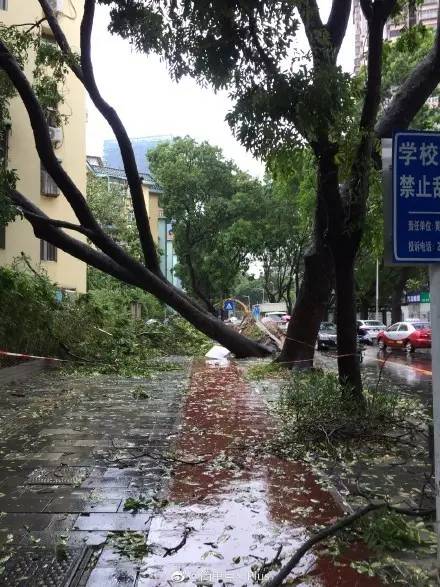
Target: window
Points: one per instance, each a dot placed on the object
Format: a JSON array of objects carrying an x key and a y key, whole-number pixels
[
  {"x": 2, "y": 237},
  {"x": 393, "y": 328},
  {"x": 3, "y": 4},
  {"x": 403, "y": 328},
  {"x": 47, "y": 185},
  {"x": 48, "y": 252}
]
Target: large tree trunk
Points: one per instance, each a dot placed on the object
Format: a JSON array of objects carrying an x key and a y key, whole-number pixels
[
  {"x": 299, "y": 346},
  {"x": 348, "y": 359}
]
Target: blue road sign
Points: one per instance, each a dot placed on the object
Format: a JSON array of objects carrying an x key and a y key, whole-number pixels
[
  {"x": 416, "y": 197},
  {"x": 229, "y": 306}
]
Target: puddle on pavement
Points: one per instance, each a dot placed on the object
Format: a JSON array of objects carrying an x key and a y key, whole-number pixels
[{"x": 229, "y": 515}]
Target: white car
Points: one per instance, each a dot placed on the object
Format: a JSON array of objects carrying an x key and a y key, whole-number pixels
[{"x": 369, "y": 330}]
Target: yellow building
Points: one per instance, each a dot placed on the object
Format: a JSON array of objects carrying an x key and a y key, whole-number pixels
[
  {"x": 117, "y": 177},
  {"x": 70, "y": 147}
]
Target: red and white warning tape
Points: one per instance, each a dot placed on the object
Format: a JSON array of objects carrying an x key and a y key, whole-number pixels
[{"x": 23, "y": 356}]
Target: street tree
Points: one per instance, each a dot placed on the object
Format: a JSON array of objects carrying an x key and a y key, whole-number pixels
[
  {"x": 200, "y": 193},
  {"x": 102, "y": 251},
  {"x": 282, "y": 100},
  {"x": 275, "y": 229}
]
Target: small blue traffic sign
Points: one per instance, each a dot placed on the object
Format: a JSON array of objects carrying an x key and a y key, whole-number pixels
[
  {"x": 229, "y": 305},
  {"x": 416, "y": 197}
]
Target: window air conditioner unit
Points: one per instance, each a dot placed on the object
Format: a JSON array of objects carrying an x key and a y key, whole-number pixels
[{"x": 56, "y": 134}]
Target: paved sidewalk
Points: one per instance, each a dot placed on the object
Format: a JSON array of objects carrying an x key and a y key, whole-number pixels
[
  {"x": 74, "y": 449},
  {"x": 71, "y": 452},
  {"x": 230, "y": 514}
]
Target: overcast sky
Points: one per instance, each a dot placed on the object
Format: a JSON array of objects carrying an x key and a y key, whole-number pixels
[{"x": 150, "y": 103}]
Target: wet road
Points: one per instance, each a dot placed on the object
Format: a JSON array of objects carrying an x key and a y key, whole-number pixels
[
  {"x": 408, "y": 373},
  {"x": 411, "y": 372}
]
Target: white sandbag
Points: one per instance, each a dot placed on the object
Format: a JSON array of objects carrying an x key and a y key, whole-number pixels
[{"x": 217, "y": 352}]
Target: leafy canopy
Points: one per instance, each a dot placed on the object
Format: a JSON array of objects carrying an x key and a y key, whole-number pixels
[{"x": 201, "y": 191}]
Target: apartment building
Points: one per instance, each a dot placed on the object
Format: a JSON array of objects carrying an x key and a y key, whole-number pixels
[
  {"x": 425, "y": 13},
  {"x": 161, "y": 227},
  {"x": 117, "y": 177},
  {"x": 141, "y": 147},
  {"x": 70, "y": 147}
]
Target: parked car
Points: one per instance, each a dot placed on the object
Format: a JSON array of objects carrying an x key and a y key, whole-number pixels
[
  {"x": 406, "y": 335},
  {"x": 368, "y": 330},
  {"x": 326, "y": 337}
]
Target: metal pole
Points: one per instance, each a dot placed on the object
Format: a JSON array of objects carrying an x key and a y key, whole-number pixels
[
  {"x": 434, "y": 274},
  {"x": 377, "y": 289}
]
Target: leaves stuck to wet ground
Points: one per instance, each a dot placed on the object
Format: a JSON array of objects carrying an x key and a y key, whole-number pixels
[
  {"x": 133, "y": 545},
  {"x": 144, "y": 503},
  {"x": 377, "y": 453}
]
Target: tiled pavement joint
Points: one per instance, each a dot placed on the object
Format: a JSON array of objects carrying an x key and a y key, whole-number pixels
[{"x": 71, "y": 452}]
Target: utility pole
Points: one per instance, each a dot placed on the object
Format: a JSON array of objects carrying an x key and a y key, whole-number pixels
[{"x": 377, "y": 289}]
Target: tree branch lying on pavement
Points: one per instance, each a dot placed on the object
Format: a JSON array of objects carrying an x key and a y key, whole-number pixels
[{"x": 335, "y": 529}]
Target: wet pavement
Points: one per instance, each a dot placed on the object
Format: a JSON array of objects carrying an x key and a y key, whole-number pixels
[
  {"x": 213, "y": 506},
  {"x": 236, "y": 507},
  {"x": 72, "y": 450}
]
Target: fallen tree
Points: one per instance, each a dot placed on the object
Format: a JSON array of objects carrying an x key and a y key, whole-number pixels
[{"x": 103, "y": 252}]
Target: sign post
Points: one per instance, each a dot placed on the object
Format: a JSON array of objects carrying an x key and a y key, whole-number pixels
[
  {"x": 434, "y": 278},
  {"x": 416, "y": 240},
  {"x": 229, "y": 305}
]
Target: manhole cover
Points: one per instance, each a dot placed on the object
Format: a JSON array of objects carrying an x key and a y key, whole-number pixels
[
  {"x": 41, "y": 567},
  {"x": 58, "y": 476}
]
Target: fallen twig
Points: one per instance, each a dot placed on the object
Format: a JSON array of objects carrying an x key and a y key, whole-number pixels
[
  {"x": 325, "y": 533},
  {"x": 273, "y": 564},
  {"x": 174, "y": 549},
  {"x": 334, "y": 529},
  {"x": 156, "y": 457}
]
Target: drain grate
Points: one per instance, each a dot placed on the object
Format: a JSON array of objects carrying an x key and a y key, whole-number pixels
[
  {"x": 41, "y": 567},
  {"x": 58, "y": 476}
]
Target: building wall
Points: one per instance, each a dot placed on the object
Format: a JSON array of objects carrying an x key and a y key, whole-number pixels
[
  {"x": 67, "y": 272},
  {"x": 426, "y": 14},
  {"x": 153, "y": 214}
]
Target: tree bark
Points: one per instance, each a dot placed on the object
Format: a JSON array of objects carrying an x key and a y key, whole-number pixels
[
  {"x": 348, "y": 360},
  {"x": 299, "y": 347}
]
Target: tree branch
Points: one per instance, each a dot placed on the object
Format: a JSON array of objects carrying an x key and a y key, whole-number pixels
[
  {"x": 86, "y": 76},
  {"x": 413, "y": 93},
  {"x": 60, "y": 36},
  {"x": 47, "y": 155},
  {"x": 338, "y": 21},
  {"x": 318, "y": 537},
  {"x": 57, "y": 223},
  {"x": 311, "y": 19},
  {"x": 140, "y": 277},
  {"x": 134, "y": 181},
  {"x": 44, "y": 229}
]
